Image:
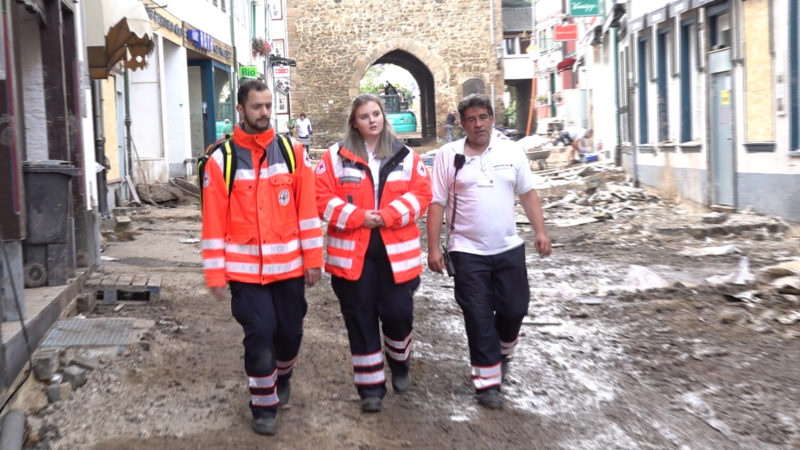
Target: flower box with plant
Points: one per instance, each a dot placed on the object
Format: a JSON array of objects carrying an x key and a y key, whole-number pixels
[{"x": 260, "y": 47}]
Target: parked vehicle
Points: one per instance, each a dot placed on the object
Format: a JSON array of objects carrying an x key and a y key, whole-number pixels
[{"x": 403, "y": 121}]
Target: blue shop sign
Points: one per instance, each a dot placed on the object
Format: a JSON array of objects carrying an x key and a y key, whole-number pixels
[{"x": 200, "y": 39}]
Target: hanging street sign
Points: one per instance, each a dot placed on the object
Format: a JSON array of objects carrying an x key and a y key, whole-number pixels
[
  {"x": 248, "y": 72},
  {"x": 584, "y": 8},
  {"x": 565, "y": 32}
]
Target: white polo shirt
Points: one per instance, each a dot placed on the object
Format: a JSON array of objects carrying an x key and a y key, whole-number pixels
[{"x": 487, "y": 187}]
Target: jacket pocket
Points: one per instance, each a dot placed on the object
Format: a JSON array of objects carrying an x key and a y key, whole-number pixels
[{"x": 283, "y": 209}]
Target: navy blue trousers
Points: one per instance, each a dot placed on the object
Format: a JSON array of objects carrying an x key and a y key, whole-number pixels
[
  {"x": 364, "y": 302},
  {"x": 271, "y": 316},
  {"x": 493, "y": 293}
]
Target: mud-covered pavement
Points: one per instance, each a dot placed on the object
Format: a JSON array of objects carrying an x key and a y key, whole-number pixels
[{"x": 599, "y": 365}]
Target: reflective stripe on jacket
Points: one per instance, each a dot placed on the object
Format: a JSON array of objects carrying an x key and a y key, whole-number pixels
[
  {"x": 345, "y": 192},
  {"x": 268, "y": 228}
]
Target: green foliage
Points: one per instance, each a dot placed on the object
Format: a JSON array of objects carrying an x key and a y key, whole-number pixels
[
  {"x": 374, "y": 80},
  {"x": 510, "y": 115}
]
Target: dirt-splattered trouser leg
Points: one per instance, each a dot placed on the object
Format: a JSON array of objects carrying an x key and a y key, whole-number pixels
[
  {"x": 492, "y": 291},
  {"x": 272, "y": 319}
]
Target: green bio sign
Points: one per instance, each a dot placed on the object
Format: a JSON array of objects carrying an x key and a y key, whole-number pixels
[
  {"x": 584, "y": 8},
  {"x": 248, "y": 72}
]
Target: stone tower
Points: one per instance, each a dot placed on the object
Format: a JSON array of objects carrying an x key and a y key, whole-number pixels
[{"x": 449, "y": 46}]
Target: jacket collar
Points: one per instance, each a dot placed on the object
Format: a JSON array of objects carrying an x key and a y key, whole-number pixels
[
  {"x": 258, "y": 141},
  {"x": 345, "y": 152}
]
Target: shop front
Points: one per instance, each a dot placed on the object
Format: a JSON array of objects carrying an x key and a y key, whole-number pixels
[{"x": 211, "y": 101}]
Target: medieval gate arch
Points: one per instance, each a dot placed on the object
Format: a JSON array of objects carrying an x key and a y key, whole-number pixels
[{"x": 442, "y": 43}]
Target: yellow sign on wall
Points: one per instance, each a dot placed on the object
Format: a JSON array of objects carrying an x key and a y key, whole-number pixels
[{"x": 725, "y": 97}]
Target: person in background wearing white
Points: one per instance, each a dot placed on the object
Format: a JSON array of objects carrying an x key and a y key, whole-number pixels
[{"x": 304, "y": 131}]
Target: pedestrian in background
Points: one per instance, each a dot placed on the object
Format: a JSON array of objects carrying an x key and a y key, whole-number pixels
[
  {"x": 449, "y": 124},
  {"x": 371, "y": 189},
  {"x": 263, "y": 238},
  {"x": 576, "y": 139},
  {"x": 227, "y": 129},
  {"x": 476, "y": 179},
  {"x": 304, "y": 131}
]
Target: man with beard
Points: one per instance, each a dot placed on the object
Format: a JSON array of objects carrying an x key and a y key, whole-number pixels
[{"x": 263, "y": 239}]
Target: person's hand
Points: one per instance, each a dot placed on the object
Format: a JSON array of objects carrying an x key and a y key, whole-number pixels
[
  {"x": 436, "y": 260},
  {"x": 312, "y": 276},
  {"x": 220, "y": 292},
  {"x": 372, "y": 219},
  {"x": 542, "y": 244}
]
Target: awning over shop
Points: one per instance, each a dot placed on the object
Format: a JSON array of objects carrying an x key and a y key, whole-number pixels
[
  {"x": 116, "y": 30},
  {"x": 565, "y": 65}
]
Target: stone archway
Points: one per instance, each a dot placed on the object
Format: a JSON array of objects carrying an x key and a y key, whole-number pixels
[
  {"x": 410, "y": 59},
  {"x": 424, "y": 78},
  {"x": 334, "y": 43}
]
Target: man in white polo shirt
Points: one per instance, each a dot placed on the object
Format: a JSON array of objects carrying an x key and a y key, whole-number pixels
[{"x": 491, "y": 280}]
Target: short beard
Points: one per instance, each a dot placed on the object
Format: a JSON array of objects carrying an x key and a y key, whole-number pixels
[{"x": 254, "y": 126}]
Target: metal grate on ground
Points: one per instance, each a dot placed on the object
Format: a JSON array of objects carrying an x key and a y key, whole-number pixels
[{"x": 89, "y": 332}]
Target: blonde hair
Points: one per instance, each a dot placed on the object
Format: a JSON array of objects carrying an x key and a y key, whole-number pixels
[{"x": 352, "y": 137}]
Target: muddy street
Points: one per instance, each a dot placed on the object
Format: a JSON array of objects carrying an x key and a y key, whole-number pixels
[{"x": 638, "y": 336}]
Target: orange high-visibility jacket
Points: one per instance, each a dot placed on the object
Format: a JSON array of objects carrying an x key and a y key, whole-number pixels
[
  {"x": 268, "y": 228},
  {"x": 345, "y": 192}
]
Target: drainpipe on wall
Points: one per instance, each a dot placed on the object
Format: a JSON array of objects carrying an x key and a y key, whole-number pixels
[
  {"x": 632, "y": 50},
  {"x": 491, "y": 18},
  {"x": 235, "y": 68},
  {"x": 127, "y": 173},
  {"x": 99, "y": 146},
  {"x": 618, "y": 147}
]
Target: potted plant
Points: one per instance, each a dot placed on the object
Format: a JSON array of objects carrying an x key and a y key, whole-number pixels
[{"x": 260, "y": 47}]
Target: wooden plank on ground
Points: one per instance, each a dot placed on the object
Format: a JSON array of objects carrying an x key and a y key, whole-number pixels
[
  {"x": 124, "y": 281},
  {"x": 154, "y": 287}
]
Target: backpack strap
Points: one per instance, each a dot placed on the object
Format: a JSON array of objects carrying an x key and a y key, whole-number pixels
[
  {"x": 287, "y": 151},
  {"x": 230, "y": 162}
]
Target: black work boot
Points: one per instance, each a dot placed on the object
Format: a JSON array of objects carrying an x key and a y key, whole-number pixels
[
  {"x": 265, "y": 425},
  {"x": 371, "y": 404},
  {"x": 490, "y": 398},
  {"x": 401, "y": 382},
  {"x": 284, "y": 390}
]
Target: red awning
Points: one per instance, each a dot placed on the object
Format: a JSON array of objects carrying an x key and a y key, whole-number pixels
[{"x": 565, "y": 65}]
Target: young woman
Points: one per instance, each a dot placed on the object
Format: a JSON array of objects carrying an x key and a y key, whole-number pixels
[{"x": 371, "y": 189}]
